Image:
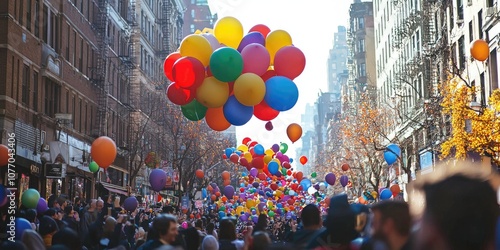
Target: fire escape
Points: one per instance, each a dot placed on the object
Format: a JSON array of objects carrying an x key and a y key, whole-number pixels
[
  {"x": 166, "y": 26},
  {"x": 100, "y": 74}
]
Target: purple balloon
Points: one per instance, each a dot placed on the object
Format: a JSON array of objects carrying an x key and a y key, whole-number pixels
[
  {"x": 285, "y": 158},
  {"x": 261, "y": 206},
  {"x": 130, "y": 204},
  {"x": 243, "y": 217},
  {"x": 255, "y": 219},
  {"x": 279, "y": 155},
  {"x": 252, "y": 37},
  {"x": 275, "y": 148},
  {"x": 343, "y": 180},
  {"x": 330, "y": 178},
  {"x": 157, "y": 179},
  {"x": 254, "y": 172},
  {"x": 229, "y": 191},
  {"x": 41, "y": 207}
]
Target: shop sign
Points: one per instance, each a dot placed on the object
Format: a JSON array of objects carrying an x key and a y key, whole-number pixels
[
  {"x": 53, "y": 170},
  {"x": 34, "y": 169}
]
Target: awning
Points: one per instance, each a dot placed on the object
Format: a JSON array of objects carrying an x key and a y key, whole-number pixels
[{"x": 113, "y": 190}]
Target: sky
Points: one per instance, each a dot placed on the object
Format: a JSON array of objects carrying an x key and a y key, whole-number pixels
[{"x": 311, "y": 24}]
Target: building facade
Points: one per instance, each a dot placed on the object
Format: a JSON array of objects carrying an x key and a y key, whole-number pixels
[
  {"x": 198, "y": 16},
  {"x": 67, "y": 74}
]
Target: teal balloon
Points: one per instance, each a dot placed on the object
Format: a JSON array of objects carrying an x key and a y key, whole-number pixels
[
  {"x": 93, "y": 167},
  {"x": 194, "y": 110},
  {"x": 226, "y": 64},
  {"x": 281, "y": 93},
  {"x": 30, "y": 198}
]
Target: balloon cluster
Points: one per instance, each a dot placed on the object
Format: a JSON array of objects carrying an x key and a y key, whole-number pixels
[{"x": 226, "y": 77}]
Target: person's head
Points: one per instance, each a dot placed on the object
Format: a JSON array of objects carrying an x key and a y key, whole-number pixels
[
  {"x": 99, "y": 205},
  {"x": 62, "y": 201},
  {"x": 166, "y": 227},
  {"x": 52, "y": 201},
  {"x": 198, "y": 224},
  {"x": 67, "y": 237},
  {"x": 341, "y": 220},
  {"x": 68, "y": 210},
  {"x": 93, "y": 204},
  {"x": 460, "y": 213},
  {"x": 47, "y": 226},
  {"x": 261, "y": 240},
  {"x": 210, "y": 227},
  {"x": 140, "y": 233},
  {"x": 311, "y": 217},
  {"x": 391, "y": 219},
  {"x": 32, "y": 239},
  {"x": 227, "y": 230},
  {"x": 31, "y": 215},
  {"x": 262, "y": 220},
  {"x": 77, "y": 201},
  {"x": 209, "y": 243}
]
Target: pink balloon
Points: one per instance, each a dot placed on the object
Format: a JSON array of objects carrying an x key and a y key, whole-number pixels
[
  {"x": 289, "y": 62},
  {"x": 255, "y": 59}
]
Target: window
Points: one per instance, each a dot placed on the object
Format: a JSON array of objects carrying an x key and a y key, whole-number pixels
[
  {"x": 361, "y": 45},
  {"x": 21, "y": 12},
  {"x": 35, "y": 91},
  {"x": 480, "y": 23},
  {"x": 28, "y": 15},
  {"x": 483, "y": 90},
  {"x": 80, "y": 59},
  {"x": 193, "y": 14},
  {"x": 80, "y": 115},
  {"x": 493, "y": 70},
  {"x": 471, "y": 31},
  {"x": 52, "y": 97},
  {"x": 45, "y": 23},
  {"x": 361, "y": 22},
  {"x": 461, "y": 53},
  {"x": 460, "y": 9},
  {"x": 37, "y": 18},
  {"x": 362, "y": 69},
  {"x": 474, "y": 97},
  {"x": 74, "y": 109},
  {"x": 67, "y": 101},
  {"x": 191, "y": 28},
  {"x": 86, "y": 119},
  {"x": 25, "y": 95}
]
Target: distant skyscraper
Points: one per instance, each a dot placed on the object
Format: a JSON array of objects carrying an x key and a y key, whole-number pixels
[{"x": 337, "y": 60}]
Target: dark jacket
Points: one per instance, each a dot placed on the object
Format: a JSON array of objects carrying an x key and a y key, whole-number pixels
[
  {"x": 151, "y": 245},
  {"x": 301, "y": 238}
]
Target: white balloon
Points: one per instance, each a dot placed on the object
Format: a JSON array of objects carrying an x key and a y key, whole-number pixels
[{"x": 311, "y": 190}]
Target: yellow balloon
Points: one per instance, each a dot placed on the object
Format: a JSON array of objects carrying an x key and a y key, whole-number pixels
[
  {"x": 248, "y": 156},
  {"x": 269, "y": 152},
  {"x": 278, "y": 193},
  {"x": 267, "y": 159},
  {"x": 212, "y": 93},
  {"x": 198, "y": 47},
  {"x": 276, "y": 40},
  {"x": 249, "y": 89},
  {"x": 250, "y": 203},
  {"x": 242, "y": 148},
  {"x": 229, "y": 31}
]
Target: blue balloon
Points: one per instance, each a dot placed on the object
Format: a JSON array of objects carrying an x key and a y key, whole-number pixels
[
  {"x": 236, "y": 113},
  {"x": 392, "y": 153},
  {"x": 21, "y": 225},
  {"x": 228, "y": 152},
  {"x": 273, "y": 167},
  {"x": 291, "y": 160},
  {"x": 252, "y": 37},
  {"x": 305, "y": 183},
  {"x": 222, "y": 214},
  {"x": 258, "y": 149},
  {"x": 385, "y": 194},
  {"x": 281, "y": 93},
  {"x": 204, "y": 193}
]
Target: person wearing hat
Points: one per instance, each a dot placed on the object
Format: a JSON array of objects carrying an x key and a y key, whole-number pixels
[
  {"x": 32, "y": 240},
  {"x": 48, "y": 227}
]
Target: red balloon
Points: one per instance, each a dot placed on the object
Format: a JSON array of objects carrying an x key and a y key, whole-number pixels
[
  {"x": 243, "y": 162},
  {"x": 262, "y": 176},
  {"x": 269, "y": 126},
  {"x": 246, "y": 140},
  {"x": 286, "y": 165},
  {"x": 289, "y": 62},
  {"x": 274, "y": 186},
  {"x": 268, "y": 74},
  {"x": 234, "y": 158},
  {"x": 231, "y": 88},
  {"x": 258, "y": 163},
  {"x": 252, "y": 144},
  {"x": 178, "y": 95},
  {"x": 188, "y": 72},
  {"x": 168, "y": 64},
  {"x": 261, "y": 28},
  {"x": 200, "y": 174},
  {"x": 4, "y": 155},
  {"x": 345, "y": 167},
  {"x": 299, "y": 176},
  {"x": 263, "y": 112},
  {"x": 224, "y": 156}
]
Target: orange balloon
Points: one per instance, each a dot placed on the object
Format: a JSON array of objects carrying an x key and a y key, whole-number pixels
[
  {"x": 294, "y": 132},
  {"x": 362, "y": 200},
  {"x": 213, "y": 197},
  {"x": 480, "y": 50},
  {"x": 303, "y": 160},
  {"x": 224, "y": 198},
  {"x": 210, "y": 188},
  {"x": 4, "y": 155},
  {"x": 227, "y": 182},
  {"x": 215, "y": 119},
  {"x": 200, "y": 174},
  {"x": 225, "y": 175},
  {"x": 217, "y": 194},
  {"x": 103, "y": 151}
]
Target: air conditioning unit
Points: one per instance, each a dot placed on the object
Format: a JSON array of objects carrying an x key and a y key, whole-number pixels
[{"x": 491, "y": 11}]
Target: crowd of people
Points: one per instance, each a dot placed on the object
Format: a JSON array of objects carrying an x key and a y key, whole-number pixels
[{"x": 461, "y": 212}]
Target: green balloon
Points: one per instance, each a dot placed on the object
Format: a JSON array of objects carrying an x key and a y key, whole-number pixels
[
  {"x": 283, "y": 171},
  {"x": 283, "y": 148},
  {"x": 271, "y": 214},
  {"x": 226, "y": 64},
  {"x": 313, "y": 175},
  {"x": 93, "y": 167},
  {"x": 30, "y": 198},
  {"x": 194, "y": 111}
]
